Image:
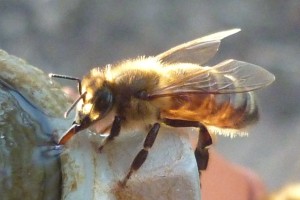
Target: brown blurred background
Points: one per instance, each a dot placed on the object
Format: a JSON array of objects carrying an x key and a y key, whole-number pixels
[{"x": 72, "y": 36}]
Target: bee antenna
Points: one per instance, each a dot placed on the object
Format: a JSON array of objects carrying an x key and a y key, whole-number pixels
[
  {"x": 74, "y": 104},
  {"x": 69, "y": 78}
]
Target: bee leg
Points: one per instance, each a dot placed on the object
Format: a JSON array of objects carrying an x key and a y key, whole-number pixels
[
  {"x": 204, "y": 140},
  {"x": 142, "y": 155},
  {"x": 114, "y": 131},
  {"x": 201, "y": 151}
]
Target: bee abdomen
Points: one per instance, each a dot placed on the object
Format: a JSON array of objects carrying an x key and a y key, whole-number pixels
[
  {"x": 241, "y": 110},
  {"x": 233, "y": 111}
]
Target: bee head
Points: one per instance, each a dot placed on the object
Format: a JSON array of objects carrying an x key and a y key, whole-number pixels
[
  {"x": 94, "y": 103},
  {"x": 97, "y": 102}
]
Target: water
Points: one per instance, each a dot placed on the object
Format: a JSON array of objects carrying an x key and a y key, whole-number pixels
[{"x": 29, "y": 158}]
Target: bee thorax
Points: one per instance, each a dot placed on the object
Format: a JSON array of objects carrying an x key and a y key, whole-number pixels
[{"x": 138, "y": 110}]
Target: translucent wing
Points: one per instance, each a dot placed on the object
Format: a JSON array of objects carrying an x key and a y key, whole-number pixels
[
  {"x": 230, "y": 76},
  {"x": 197, "y": 51}
]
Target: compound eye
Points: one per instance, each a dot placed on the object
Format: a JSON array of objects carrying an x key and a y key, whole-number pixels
[{"x": 103, "y": 102}]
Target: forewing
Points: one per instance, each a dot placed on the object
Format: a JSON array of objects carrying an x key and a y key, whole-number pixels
[
  {"x": 230, "y": 76},
  {"x": 197, "y": 51}
]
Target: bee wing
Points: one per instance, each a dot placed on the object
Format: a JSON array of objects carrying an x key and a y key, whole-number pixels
[
  {"x": 230, "y": 76},
  {"x": 197, "y": 51}
]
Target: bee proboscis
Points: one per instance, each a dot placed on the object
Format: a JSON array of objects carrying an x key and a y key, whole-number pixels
[{"x": 172, "y": 89}]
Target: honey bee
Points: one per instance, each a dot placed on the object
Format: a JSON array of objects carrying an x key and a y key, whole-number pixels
[{"x": 172, "y": 89}]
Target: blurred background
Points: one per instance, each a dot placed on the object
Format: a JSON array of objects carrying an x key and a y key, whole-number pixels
[{"x": 72, "y": 36}]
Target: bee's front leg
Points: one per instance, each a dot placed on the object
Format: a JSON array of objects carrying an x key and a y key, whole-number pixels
[
  {"x": 114, "y": 131},
  {"x": 142, "y": 155}
]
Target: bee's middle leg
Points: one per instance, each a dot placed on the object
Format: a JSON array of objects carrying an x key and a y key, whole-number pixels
[
  {"x": 114, "y": 131},
  {"x": 142, "y": 155},
  {"x": 204, "y": 140}
]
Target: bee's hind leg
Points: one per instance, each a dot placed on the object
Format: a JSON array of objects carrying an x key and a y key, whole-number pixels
[
  {"x": 204, "y": 140},
  {"x": 142, "y": 155},
  {"x": 201, "y": 151},
  {"x": 114, "y": 131}
]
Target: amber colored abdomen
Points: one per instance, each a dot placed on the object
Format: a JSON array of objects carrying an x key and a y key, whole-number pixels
[{"x": 233, "y": 111}]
